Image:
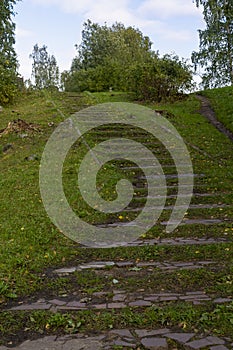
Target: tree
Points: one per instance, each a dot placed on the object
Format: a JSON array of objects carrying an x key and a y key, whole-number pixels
[
  {"x": 121, "y": 58},
  {"x": 8, "y": 58},
  {"x": 216, "y": 43},
  {"x": 111, "y": 52},
  {"x": 102, "y": 42},
  {"x": 45, "y": 71}
]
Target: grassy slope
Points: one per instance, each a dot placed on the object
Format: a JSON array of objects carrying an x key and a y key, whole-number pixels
[
  {"x": 222, "y": 102},
  {"x": 29, "y": 242}
]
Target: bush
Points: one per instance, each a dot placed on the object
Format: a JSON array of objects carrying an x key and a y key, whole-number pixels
[
  {"x": 8, "y": 85},
  {"x": 161, "y": 78}
]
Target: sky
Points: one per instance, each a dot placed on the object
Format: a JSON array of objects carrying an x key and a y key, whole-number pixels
[{"x": 172, "y": 25}]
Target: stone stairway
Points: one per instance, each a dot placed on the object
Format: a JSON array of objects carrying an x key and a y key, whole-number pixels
[
  {"x": 117, "y": 299},
  {"x": 160, "y": 339}
]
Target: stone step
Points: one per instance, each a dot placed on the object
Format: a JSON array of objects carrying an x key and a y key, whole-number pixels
[
  {"x": 165, "y": 223},
  {"x": 169, "y": 176},
  {"x": 164, "y": 266},
  {"x": 198, "y": 222},
  {"x": 177, "y": 241},
  {"x": 166, "y": 166},
  {"x": 119, "y": 300},
  {"x": 153, "y": 339},
  {"x": 171, "y": 196},
  {"x": 139, "y": 186},
  {"x": 171, "y": 207}
]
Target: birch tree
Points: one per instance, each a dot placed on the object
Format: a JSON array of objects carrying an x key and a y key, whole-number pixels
[{"x": 216, "y": 43}]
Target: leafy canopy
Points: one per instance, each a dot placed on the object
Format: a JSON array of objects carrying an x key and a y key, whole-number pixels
[
  {"x": 121, "y": 58},
  {"x": 8, "y": 58},
  {"x": 45, "y": 71},
  {"x": 216, "y": 43}
]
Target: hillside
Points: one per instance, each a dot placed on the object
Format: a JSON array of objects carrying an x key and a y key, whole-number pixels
[
  {"x": 222, "y": 102},
  {"x": 181, "y": 281}
]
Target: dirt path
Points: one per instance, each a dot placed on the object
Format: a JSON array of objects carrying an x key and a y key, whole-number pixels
[{"x": 207, "y": 111}]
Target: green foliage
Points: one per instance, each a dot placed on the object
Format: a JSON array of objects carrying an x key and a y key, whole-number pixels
[
  {"x": 5, "y": 291},
  {"x": 8, "y": 60},
  {"x": 221, "y": 315},
  {"x": 109, "y": 44},
  {"x": 45, "y": 70},
  {"x": 65, "y": 321},
  {"x": 121, "y": 59},
  {"x": 105, "y": 57},
  {"x": 216, "y": 43},
  {"x": 85, "y": 79},
  {"x": 8, "y": 84},
  {"x": 161, "y": 78}
]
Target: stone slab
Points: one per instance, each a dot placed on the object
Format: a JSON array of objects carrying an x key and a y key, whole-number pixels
[
  {"x": 65, "y": 271},
  {"x": 222, "y": 300},
  {"x": 139, "y": 303},
  {"x": 181, "y": 337},
  {"x": 76, "y": 304},
  {"x": 168, "y": 298},
  {"x": 51, "y": 343},
  {"x": 215, "y": 340},
  {"x": 119, "y": 298},
  {"x": 124, "y": 343},
  {"x": 116, "y": 305},
  {"x": 57, "y": 302},
  {"x": 142, "y": 333},
  {"x": 96, "y": 265},
  {"x": 155, "y": 343},
  {"x": 35, "y": 306},
  {"x": 99, "y": 306},
  {"x": 122, "y": 333},
  {"x": 198, "y": 344}
]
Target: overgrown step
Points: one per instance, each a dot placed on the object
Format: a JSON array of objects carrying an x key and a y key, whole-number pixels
[
  {"x": 119, "y": 300},
  {"x": 156, "y": 339}
]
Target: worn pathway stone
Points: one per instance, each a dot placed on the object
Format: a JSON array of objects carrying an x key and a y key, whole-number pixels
[
  {"x": 171, "y": 207},
  {"x": 119, "y": 300},
  {"x": 164, "y": 266},
  {"x": 157, "y": 339},
  {"x": 172, "y": 241}
]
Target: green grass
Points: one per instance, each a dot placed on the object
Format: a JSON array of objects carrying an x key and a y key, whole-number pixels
[
  {"x": 217, "y": 281},
  {"x": 221, "y": 100},
  {"x": 30, "y": 245},
  {"x": 217, "y": 320}
]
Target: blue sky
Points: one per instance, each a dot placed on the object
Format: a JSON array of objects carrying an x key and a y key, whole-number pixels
[{"x": 172, "y": 25}]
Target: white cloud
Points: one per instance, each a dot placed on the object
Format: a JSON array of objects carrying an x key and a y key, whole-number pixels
[
  {"x": 152, "y": 8},
  {"x": 150, "y": 16},
  {"x": 84, "y": 6},
  {"x": 168, "y": 8},
  {"x": 23, "y": 33}
]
